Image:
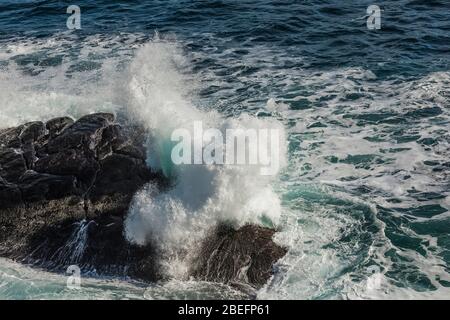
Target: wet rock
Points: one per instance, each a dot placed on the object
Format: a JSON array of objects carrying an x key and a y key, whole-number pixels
[
  {"x": 84, "y": 134},
  {"x": 40, "y": 187},
  {"x": 10, "y": 194},
  {"x": 10, "y": 137},
  {"x": 12, "y": 164},
  {"x": 65, "y": 190},
  {"x": 52, "y": 178},
  {"x": 32, "y": 132},
  {"x": 57, "y": 125},
  {"x": 243, "y": 256}
]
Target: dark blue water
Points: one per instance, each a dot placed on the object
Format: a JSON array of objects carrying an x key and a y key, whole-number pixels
[
  {"x": 414, "y": 38},
  {"x": 366, "y": 112}
]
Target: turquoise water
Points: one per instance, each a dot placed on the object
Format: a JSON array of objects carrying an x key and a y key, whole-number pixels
[{"x": 365, "y": 114}]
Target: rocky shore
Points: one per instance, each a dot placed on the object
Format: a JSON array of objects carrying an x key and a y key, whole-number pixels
[{"x": 65, "y": 189}]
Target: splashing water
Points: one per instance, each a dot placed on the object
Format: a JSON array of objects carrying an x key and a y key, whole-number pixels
[
  {"x": 203, "y": 194},
  {"x": 72, "y": 252},
  {"x": 365, "y": 122}
]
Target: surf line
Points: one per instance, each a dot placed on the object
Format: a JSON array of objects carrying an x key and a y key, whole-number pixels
[{"x": 189, "y": 310}]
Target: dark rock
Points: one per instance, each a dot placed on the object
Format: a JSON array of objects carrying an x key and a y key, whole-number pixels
[
  {"x": 97, "y": 244},
  {"x": 139, "y": 260},
  {"x": 231, "y": 256},
  {"x": 12, "y": 164},
  {"x": 57, "y": 125},
  {"x": 10, "y": 194},
  {"x": 32, "y": 230},
  {"x": 115, "y": 141},
  {"x": 84, "y": 134},
  {"x": 10, "y": 137},
  {"x": 132, "y": 151},
  {"x": 29, "y": 155},
  {"x": 32, "y": 132},
  {"x": 70, "y": 162},
  {"x": 65, "y": 190},
  {"x": 39, "y": 187},
  {"x": 52, "y": 185}
]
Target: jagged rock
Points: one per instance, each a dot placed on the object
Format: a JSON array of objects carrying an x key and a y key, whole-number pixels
[
  {"x": 10, "y": 137},
  {"x": 41, "y": 186},
  {"x": 84, "y": 134},
  {"x": 12, "y": 164},
  {"x": 57, "y": 125},
  {"x": 242, "y": 256},
  {"x": 65, "y": 189},
  {"x": 55, "y": 175},
  {"x": 32, "y": 131}
]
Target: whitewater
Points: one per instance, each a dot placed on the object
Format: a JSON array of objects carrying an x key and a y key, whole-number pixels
[{"x": 363, "y": 183}]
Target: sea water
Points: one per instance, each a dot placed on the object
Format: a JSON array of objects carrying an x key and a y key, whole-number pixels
[{"x": 362, "y": 200}]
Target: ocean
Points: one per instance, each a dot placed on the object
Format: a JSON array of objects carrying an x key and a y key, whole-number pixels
[{"x": 362, "y": 201}]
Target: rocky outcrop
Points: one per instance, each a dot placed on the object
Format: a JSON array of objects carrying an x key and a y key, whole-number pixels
[
  {"x": 243, "y": 256},
  {"x": 65, "y": 189}
]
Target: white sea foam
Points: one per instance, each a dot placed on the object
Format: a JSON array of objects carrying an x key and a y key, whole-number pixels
[
  {"x": 399, "y": 173},
  {"x": 203, "y": 195},
  {"x": 157, "y": 89},
  {"x": 154, "y": 83}
]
